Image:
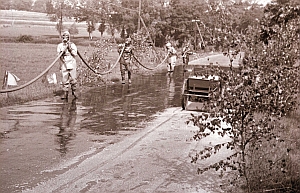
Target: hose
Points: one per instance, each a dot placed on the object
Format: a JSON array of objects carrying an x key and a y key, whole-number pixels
[
  {"x": 101, "y": 73},
  {"x": 35, "y": 79}
]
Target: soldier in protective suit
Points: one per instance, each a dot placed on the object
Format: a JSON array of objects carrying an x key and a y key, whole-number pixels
[
  {"x": 186, "y": 52},
  {"x": 171, "y": 57},
  {"x": 125, "y": 60},
  {"x": 68, "y": 64}
]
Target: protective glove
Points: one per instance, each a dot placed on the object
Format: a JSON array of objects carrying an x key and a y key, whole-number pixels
[
  {"x": 69, "y": 47},
  {"x": 63, "y": 53}
]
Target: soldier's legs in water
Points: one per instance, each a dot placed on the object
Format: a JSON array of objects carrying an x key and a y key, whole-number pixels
[
  {"x": 73, "y": 81},
  {"x": 127, "y": 66},
  {"x": 65, "y": 83},
  {"x": 122, "y": 70},
  {"x": 173, "y": 62},
  {"x": 65, "y": 79}
]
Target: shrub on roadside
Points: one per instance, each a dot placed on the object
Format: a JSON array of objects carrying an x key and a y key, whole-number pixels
[
  {"x": 24, "y": 38},
  {"x": 254, "y": 102}
]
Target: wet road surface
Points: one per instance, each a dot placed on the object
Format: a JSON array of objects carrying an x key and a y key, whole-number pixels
[
  {"x": 40, "y": 135},
  {"x": 156, "y": 159}
]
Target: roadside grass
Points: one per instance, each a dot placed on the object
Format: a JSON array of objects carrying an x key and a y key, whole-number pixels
[{"x": 27, "y": 61}]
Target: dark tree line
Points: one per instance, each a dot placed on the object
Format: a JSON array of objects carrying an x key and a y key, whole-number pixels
[{"x": 171, "y": 21}]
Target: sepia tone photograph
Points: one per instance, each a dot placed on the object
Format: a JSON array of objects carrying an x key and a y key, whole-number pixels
[{"x": 150, "y": 96}]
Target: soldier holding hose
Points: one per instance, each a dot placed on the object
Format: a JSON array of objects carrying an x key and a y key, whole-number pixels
[
  {"x": 125, "y": 60},
  {"x": 68, "y": 64}
]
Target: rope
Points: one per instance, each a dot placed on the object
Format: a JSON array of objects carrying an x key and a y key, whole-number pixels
[{"x": 35, "y": 79}]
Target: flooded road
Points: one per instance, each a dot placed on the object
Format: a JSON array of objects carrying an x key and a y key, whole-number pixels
[{"x": 41, "y": 135}]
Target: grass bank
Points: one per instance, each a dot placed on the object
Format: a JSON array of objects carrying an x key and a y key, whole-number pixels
[{"x": 27, "y": 61}]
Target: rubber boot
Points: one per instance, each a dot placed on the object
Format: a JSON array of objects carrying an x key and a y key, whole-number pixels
[
  {"x": 74, "y": 94},
  {"x": 65, "y": 95},
  {"x": 123, "y": 80},
  {"x": 129, "y": 77}
]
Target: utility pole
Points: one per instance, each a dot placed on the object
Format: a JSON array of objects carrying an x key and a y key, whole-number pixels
[
  {"x": 139, "y": 19},
  {"x": 195, "y": 39},
  {"x": 202, "y": 41}
]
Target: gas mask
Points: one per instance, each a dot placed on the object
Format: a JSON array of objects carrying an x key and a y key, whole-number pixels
[
  {"x": 66, "y": 37},
  {"x": 128, "y": 41}
]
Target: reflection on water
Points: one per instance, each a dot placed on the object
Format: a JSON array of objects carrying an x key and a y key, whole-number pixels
[
  {"x": 126, "y": 101},
  {"x": 67, "y": 125},
  {"x": 171, "y": 89},
  {"x": 123, "y": 107},
  {"x": 107, "y": 110},
  {"x": 34, "y": 134}
]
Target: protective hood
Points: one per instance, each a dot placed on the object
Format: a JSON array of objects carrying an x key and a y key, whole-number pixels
[{"x": 66, "y": 37}]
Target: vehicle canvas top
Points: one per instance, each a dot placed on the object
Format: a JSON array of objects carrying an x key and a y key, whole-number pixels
[{"x": 218, "y": 60}]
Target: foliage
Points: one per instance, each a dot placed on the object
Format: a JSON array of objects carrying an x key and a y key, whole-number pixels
[
  {"x": 57, "y": 10},
  {"x": 97, "y": 60},
  {"x": 145, "y": 52},
  {"x": 253, "y": 99},
  {"x": 24, "y": 38},
  {"x": 160, "y": 19},
  {"x": 24, "y": 5},
  {"x": 73, "y": 29},
  {"x": 101, "y": 28}
]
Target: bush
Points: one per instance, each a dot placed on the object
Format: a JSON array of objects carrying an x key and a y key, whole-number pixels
[
  {"x": 24, "y": 38},
  {"x": 254, "y": 101}
]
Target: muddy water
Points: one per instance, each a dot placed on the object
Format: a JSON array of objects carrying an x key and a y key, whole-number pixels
[{"x": 44, "y": 138}]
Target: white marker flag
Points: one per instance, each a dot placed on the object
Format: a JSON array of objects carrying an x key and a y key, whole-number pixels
[
  {"x": 11, "y": 79},
  {"x": 52, "y": 78}
]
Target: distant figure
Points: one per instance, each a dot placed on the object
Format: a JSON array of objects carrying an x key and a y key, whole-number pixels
[
  {"x": 125, "y": 60},
  {"x": 186, "y": 52},
  {"x": 171, "y": 57},
  {"x": 68, "y": 64}
]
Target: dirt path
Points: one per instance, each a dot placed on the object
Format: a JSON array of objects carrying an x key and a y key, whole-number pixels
[{"x": 153, "y": 160}]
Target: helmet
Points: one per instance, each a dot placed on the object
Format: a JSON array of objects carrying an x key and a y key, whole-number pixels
[
  {"x": 66, "y": 36},
  {"x": 168, "y": 45},
  {"x": 128, "y": 41}
]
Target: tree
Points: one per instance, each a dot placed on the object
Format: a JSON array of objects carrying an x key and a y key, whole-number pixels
[
  {"x": 92, "y": 11},
  {"x": 101, "y": 28},
  {"x": 73, "y": 29},
  {"x": 24, "y": 5},
  {"x": 39, "y": 6},
  {"x": 57, "y": 10},
  {"x": 90, "y": 28},
  {"x": 253, "y": 99}
]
